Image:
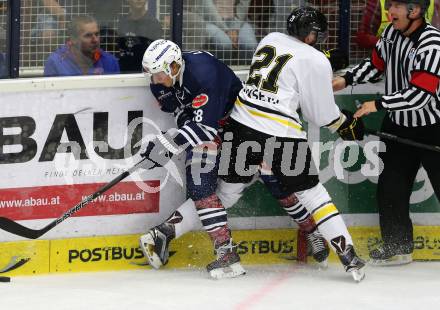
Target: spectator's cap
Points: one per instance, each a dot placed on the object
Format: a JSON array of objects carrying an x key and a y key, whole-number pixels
[
  {"x": 304, "y": 20},
  {"x": 424, "y": 4},
  {"x": 159, "y": 56}
]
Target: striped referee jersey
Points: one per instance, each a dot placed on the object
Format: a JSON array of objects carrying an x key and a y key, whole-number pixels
[{"x": 411, "y": 66}]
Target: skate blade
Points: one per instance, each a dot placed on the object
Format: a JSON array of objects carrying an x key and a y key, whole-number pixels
[
  {"x": 393, "y": 261},
  {"x": 315, "y": 264},
  {"x": 232, "y": 271},
  {"x": 146, "y": 243},
  {"x": 322, "y": 265},
  {"x": 358, "y": 274}
]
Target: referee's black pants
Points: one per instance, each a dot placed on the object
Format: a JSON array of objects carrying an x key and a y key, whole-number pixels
[{"x": 401, "y": 164}]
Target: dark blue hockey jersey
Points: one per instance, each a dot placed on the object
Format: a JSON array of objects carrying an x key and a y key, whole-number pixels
[{"x": 209, "y": 88}]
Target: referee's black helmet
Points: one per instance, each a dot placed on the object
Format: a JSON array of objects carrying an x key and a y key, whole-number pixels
[{"x": 424, "y": 4}]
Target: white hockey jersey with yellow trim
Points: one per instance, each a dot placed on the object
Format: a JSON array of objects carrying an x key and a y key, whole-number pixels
[{"x": 286, "y": 75}]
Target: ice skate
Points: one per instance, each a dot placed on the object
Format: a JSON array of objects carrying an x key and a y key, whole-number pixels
[
  {"x": 387, "y": 255},
  {"x": 227, "y": 264},
  {"x": 318, "y": 248},
  {"x": 353, "y": 264},
  {"x": 155, "y": 244}
]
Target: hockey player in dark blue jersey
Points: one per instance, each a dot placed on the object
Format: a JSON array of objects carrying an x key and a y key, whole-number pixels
[{"x": 200, "y": 90}]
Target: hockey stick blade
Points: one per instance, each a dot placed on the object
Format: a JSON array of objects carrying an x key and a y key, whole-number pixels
[
  {"x": 14, "y": 264},
  {"x": 23, "y": 231},
  {"x": 5, "y": 279},
  {"x": 20, "y": 230}
]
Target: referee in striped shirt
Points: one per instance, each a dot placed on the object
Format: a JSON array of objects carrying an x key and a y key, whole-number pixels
[{"x": 408, "y": 54}]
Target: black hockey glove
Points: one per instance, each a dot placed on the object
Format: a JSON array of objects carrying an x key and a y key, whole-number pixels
[
  {"x": 352, "y": 129},
  {"x": 168, "y": 103},
  {"x": 157, "y": 153},
  {"x": 183, "y": 116},
  {"x": 338, "y": 58}
]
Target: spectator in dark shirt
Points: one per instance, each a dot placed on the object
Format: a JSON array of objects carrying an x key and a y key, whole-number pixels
[
  {"x": 136, "y": 31},
  {"x": 81, "y": 55},
  {"x": 106, "y": 13}
]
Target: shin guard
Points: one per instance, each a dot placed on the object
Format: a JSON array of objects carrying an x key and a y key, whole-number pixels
[
  {"x": 214, "y": 219},
  {"x": 185, "y": 218},
  {"x": 326, "y": 216}
]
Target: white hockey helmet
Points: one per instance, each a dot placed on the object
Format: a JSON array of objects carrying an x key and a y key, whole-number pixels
[{"x": 159, "y": 56}]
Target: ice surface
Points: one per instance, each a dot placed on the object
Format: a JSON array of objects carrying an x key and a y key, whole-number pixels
[{"x": 413, "y": 286}]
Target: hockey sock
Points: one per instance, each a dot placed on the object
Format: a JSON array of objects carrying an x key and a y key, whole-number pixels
[
  {"x": 214, "y": 218},
  {"x": 326, "y": 216},
  {"x": 298, "y": 213},
  {"x": 185, "y": 218}
]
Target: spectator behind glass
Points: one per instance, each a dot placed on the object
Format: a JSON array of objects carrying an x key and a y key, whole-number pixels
[
  {"x": 261, "y": 14},
  {"x": 81, "y": 54},
  {"x": 50, "y": 18},
  {"x": 225, "y": 30},
  {"x": 3, "y": 60},
  {"x": 106, "y": 13},
  {"x": 194, "y": 26},
  {"x": 136, "y": 31},
  {"x": 268, "y": 15},
  {"x": 375, "y": 19}
]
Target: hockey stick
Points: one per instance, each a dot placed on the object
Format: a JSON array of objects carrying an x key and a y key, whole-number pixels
[
  {"x": 14, "y": 264},
  {"x": 398, "y": 139},
  {"x": 20, "y": 230},
  {"x": 5, "y": 279}
]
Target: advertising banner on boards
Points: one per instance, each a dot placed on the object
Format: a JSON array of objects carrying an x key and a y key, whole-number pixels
[{"x": 59, "y": 146}]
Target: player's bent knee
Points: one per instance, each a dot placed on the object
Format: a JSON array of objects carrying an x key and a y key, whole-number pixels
[
  {"x": 314, "y": 196},
  {"x": 318, "y": 202},
  {"x": 230, "y": 193}
]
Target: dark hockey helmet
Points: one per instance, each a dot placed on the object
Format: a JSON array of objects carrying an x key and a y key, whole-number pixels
[
  {"x": 304, "y": 20},
  {"x": 424, "y": 4}
]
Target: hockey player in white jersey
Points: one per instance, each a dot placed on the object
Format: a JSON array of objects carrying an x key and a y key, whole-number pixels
[{"x": 287, "y": 75}]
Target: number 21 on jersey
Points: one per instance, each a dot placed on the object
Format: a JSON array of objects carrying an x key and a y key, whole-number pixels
[{"x": 268, "y": 81}]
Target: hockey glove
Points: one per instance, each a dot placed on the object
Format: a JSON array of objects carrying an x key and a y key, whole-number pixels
[
  {"x": 183, "y": 116},
  {"x": 352, "y": 129},
  {"x": 157, "y": 152},
  {"x": 338, "y": 58}
]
